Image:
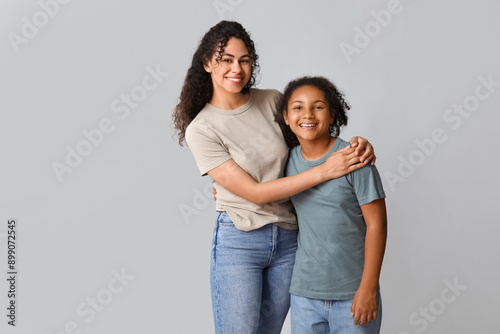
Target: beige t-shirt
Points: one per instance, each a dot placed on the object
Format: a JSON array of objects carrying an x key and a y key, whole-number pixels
[{"x": 250, "y": 136}]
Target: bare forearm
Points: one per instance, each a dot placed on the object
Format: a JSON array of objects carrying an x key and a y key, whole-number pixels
[
  {"x": 246, "y": 187},
  {"x": 364, "y": 306},
  {"x": 375, "y": 241},
  {"x": 288, "y": 186}
]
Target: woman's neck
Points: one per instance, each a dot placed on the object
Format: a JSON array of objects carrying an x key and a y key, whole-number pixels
[
  {"x": 312, "y": 150},
  {"x": 229, "y": 101}
]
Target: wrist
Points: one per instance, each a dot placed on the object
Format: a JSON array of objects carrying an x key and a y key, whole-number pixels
[
  {"x": 369, "y": 287},
  {"x": 321, "y": 173}
]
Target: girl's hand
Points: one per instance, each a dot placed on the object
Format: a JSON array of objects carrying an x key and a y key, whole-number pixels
[
  {"x": 364, "y": 306},
  {"x": 340, "y": 163},
  {"x": 364, "y": 147}
]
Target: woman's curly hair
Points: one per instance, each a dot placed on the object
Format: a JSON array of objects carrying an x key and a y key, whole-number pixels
[
  {"x": 338, "y": 106},
  {"x": 198, "y": 89}
]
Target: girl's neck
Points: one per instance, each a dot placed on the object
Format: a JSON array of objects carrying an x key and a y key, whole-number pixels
[
  {"x": 229, "y": 101},
  {"x": 312, "y": 150}
]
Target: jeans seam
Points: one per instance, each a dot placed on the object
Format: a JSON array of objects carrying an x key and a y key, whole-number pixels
[
  {"x": 274, "y": 243},
  {"x": 328, "y": 306},
  {"x": 217, "y": 296}
]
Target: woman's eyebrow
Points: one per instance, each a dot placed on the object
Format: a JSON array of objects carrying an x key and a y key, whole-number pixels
[{"x": 230, "y": 55}]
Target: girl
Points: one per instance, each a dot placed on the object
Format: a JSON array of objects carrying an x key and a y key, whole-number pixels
[
  {"x": 342, "y": 222},
  {"x": 229, "y": 128}
]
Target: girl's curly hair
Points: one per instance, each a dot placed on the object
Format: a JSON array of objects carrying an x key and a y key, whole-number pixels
[
  {"x": 338, "y": 106},
  {"x": 198, "y": 89}
]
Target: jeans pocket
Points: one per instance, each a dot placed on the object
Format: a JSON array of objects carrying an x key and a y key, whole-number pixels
[{"x": 224, "y": 220}]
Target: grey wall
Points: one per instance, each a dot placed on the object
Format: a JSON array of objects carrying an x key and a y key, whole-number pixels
[{"x": 118, "y": 241}]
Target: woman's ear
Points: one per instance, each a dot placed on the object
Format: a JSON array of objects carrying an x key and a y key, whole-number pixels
[
  {"x": 285, "y": 117},
  {"x": 207, "y": 66}
]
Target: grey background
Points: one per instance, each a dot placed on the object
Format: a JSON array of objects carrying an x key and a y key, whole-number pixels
[{"x": 120, "y": 208}]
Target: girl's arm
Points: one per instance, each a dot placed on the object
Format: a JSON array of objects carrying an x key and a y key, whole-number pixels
[
  {"x": 364, "y": 304},
  {"x": 235, "y": 179}
]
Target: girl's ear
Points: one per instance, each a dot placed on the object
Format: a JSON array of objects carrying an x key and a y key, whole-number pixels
[
  {"x": 332, "y": 116},
  {"x": 285, "y": 117}
]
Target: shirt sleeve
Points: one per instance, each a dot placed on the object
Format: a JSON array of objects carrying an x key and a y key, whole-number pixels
[
  {"x": 208, "y": 150},
  {"x": 367, "y": 184}
]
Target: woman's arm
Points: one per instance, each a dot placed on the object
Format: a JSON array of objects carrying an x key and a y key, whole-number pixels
[
  {"x": 235, "y": 179},
  {"x": 364, "y": 304}
]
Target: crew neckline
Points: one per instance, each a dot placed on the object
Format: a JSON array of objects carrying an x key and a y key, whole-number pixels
[
  {"x": 321, "y": 160},
  {"x": 236, "y": 111}
]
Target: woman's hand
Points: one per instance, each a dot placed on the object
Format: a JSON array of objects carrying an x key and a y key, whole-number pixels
[
  {"x": 363, "y": 148},
  {"x": 340, "y": 163},
  {"x": 364, "y": 306}
]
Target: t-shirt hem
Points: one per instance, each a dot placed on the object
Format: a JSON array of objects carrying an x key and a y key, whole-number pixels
[
  {"x": 370, "y": 199},
  {"x": 213, "y": 165},
  {"x": 288, "y": 226},
  {"x": 248, "y": 228},
  {"x": 322, "y": 295}
]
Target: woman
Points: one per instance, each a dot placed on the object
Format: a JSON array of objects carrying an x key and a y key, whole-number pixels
[{"x": 229, "y": 127}]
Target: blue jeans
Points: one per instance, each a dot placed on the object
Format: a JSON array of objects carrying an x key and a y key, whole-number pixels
[
  {"x": 316, "y": 316},
  {"x": 250, "y": 277}
]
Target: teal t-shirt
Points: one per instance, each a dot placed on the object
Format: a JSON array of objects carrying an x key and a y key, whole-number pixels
[{"x": 331, "y": 241}]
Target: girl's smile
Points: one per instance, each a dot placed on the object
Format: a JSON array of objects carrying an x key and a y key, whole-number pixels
[{"x": 308, "y": 114}]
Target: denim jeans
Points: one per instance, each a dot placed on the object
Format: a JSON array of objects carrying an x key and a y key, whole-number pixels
[
  {"x": 316, "y": 316},
  {"x": 250, "y": 277}
]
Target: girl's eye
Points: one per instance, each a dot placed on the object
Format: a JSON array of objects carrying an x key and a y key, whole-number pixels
[
  {"x": 227, "y": 60},
  {"x": 246, "y": 61},
  {"x": 297, "y": 108},
  {"x": 318, "y": 107}
]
